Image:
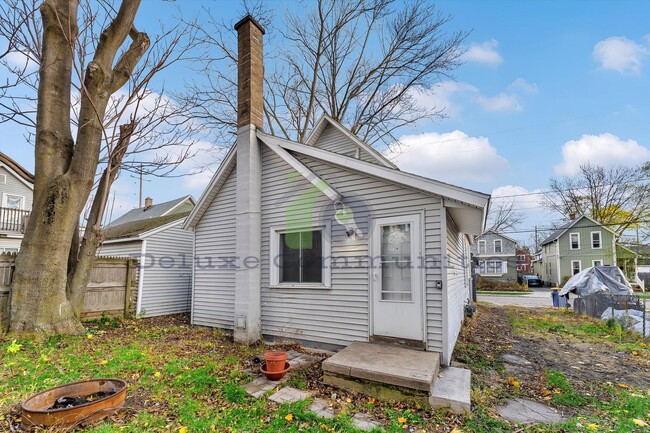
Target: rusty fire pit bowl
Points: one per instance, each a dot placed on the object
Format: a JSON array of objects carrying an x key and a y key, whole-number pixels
[{"x": 37, "y": 412}]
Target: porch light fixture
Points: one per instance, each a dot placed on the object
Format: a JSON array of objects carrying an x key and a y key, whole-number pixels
[{"x": 345, "y": 216}]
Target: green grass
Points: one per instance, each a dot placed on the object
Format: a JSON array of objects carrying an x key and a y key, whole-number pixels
[{"x": 563, "y": 393}]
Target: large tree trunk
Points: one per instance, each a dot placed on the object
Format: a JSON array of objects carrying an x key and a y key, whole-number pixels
[{"x": 43, "y": 301}]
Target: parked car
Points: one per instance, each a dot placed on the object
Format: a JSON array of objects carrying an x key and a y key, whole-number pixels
[{"x": 533, "y": 281}]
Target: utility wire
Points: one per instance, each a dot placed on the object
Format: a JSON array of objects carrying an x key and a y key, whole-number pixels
[
  {"x": 524, "y": 194},
  {"x": 560, "y": 228}
]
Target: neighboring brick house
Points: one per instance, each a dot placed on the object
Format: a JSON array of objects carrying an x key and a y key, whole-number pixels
[
  {"x": 524, "y": 260},
  {"x": 497, "y": 256}
]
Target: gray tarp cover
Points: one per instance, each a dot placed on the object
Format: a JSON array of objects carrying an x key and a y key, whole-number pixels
[{"x": 596, "y": 279}]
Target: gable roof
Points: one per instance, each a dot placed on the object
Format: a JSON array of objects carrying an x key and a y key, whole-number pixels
[
  {"x": 563, "y": 228},
  {"x": 457, "y": 196},
  {"x": 138, "y": 229},
  {"x": 499, "y": 234},
  {"x": 326, "y": 120},
  {"x": 157, "y": 210},
  {"x": 18, "y": 170}
]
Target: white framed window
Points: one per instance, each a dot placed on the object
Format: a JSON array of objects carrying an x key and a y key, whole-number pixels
[
  {"x": 498, "y": 246},
  {"x": 299, "y": 257},
  {"x": 3, "y": 179},
  {"x": 596, "y": 263},
  {"x": 492, "y": 267},
  {"x": 481, "y": 247},
  {"x": 13, "y": 201},
  {"x": 576, "y": 266},
  {"x": 574, "y": 241},
  {"x": 596, "y": 240}
]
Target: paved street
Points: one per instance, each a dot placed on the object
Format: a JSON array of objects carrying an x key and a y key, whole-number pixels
[{"x": 540, "y": 297}]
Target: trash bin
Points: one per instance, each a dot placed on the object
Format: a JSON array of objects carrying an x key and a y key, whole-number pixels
[{"x": 556, "y": 298}]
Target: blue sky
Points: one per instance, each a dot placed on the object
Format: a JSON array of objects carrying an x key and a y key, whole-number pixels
[{"x": 546, "y": 86}]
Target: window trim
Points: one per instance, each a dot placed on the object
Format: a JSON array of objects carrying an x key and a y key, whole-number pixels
[
  {"x": 494, "y": 246},
  {"x": 571, "y": 241},
  {"x": 3, "y": 179},
  {"x": 600, "y": 240},
  {"x": 593, "y": 262},
  {"x": 579, "y": 262},
  {"x": 483, "y": 268},
  {"x": 274, "y": 248},
  {"x": 5, "y": 195},
  {"x": 484, "y": 247}
]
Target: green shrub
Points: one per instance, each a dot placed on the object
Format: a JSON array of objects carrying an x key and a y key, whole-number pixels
[{"x": 490, "y": 285}]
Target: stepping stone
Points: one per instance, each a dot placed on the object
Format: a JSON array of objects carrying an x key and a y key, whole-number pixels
[
  {"x": 516, "y": 360},
  {"x": 524, "y": 411},
  {"x": 301, "y": 361},
  {"x": 321, "y": 408},
  {"x": 365, "y": 422},
  {"x": 261, "y": 385},
  {"x": 289, "y": 395},
  {"x": 518, "y": 369},
  {"x": 452, "y": 390}
]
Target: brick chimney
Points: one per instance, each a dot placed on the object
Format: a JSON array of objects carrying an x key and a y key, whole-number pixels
[
  {"x": 148, "y": 202},
  {"x": 250, "y": 78},
  {"x": 572, "y": 217},
  {"x": 250, "y": 73}
]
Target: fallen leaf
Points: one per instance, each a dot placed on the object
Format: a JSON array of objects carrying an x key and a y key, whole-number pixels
[
  {"x": 401, "y": 420},
  {"x": 289, "y": 417},
  {"x": 640, "y": 422},
  {"x": 182, "y": 430}
]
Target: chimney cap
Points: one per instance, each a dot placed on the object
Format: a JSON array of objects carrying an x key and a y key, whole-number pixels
[
  {"x": 250, "y": 18},
  {"x": 572, "y": 216}
]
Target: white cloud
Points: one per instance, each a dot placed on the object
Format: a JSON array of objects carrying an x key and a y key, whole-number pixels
[
  {"x": 524, "y": 198},
  {"x": 17, "y": 59},
  {"x": 522, "y": 86},
  {"x": 445, "y": 96},
  {"x": 604, "y": 149},
  {"x": 452, "y": 96},
  {"x": 450, "y": 157},
  {"x": 501, "y": 102},
  {"x": 484, "y": 53},
  {"x": 620, "y": 54}
]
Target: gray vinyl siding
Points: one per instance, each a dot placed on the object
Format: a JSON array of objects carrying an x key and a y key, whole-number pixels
[
  {"x": 131, "y": 249},
  {"x": 10, "y": 243},
  {"x": 214, "y": 285},
  {"x": 339, "y": 315},
  {"x": 333, "y": 140},
  {"x": 15, "y": 186},
  {"x": 167, "y": 272},
  {"x": 458, "y": 287}
]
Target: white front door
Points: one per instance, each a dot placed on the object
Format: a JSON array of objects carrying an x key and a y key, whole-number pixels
[{"x": 396, "y": 276}]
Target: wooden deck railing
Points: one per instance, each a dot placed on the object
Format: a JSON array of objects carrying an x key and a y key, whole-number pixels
[{"x": 13, "y": 220}]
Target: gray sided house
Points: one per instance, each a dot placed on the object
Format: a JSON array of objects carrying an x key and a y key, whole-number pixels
[
  {"x": 497, "y": 257},
  {"x": 16, "y": 194},
  {"x": 582, "y": 243},
  {"x": 326, "y": 242},
  {"x": 154, "y": 235}
]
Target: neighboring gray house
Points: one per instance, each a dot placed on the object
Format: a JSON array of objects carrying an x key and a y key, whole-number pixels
[
  {"x": 326, "y": 242},
  {"x": 16, "y": 194},
  {"x": 497, "y": 256},
  {"x": 154, "y": 235}
]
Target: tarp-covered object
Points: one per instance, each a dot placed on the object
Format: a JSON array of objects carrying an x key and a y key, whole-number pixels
[{"x": 608, "y": 279}]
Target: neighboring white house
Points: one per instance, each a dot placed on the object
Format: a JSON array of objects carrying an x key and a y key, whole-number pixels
[
  {"x": 16, "y": 194},
  {"x": 154, "y": 235},
  {"x": 327, "y": 242}
]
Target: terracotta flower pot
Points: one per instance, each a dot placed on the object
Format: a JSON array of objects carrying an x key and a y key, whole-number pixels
[
  {"x": 275, "y": 361},
  {"x": 275, "y": 375}
]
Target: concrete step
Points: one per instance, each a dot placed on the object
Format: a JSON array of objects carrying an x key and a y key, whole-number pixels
[
  {"x": 390, "y": 365},
  {"x": 452, "y": 390}
]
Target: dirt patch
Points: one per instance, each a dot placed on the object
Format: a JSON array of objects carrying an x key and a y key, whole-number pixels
[{"x": 587, "y": 364}]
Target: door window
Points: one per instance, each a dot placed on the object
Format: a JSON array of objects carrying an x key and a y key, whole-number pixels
[{"x": 396, "y": 263}]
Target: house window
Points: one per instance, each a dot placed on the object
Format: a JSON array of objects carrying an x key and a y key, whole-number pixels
[
  {"x": 576, "y": 266},
  {"x": 574, "y": 239},
  {"x": 298, "y": 257},
  {"x": 597, "y": 263},
  {"x": 481, "y": 247},
  {"x": 3, "y": 179},
  {"x": 497, "y": 246},
  {"x": 491, "y": 267},
  {"x": 301, "y": 257},
  {"x": 14, "y": 201},
  {"x": 595, "y": 240}
]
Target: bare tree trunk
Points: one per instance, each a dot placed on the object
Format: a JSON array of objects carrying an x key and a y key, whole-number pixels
[{"x": 65, "y": 170}]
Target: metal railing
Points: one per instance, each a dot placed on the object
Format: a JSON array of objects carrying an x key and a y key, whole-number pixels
[{"x": 13, "y": 220}]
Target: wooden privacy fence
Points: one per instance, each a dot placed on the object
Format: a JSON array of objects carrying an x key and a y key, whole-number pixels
[{"x": 112, "y": 288}]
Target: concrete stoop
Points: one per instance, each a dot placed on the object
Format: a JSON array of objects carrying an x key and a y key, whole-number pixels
[{"x": 392, "y": 373}]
